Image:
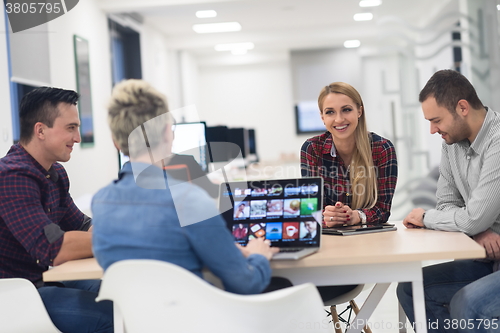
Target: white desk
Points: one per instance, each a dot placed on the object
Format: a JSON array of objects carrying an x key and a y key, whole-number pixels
[{"x": 381, "y": 258}]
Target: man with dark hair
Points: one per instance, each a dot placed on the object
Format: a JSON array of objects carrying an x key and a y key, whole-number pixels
[
  {"x": 40, "y": 225},
  {"x": 461, "y": 296}
]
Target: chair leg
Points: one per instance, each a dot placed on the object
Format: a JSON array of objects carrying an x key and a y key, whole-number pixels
[
  {"x": 335, "y": 319},
  {"x": 355, "y": 308}
]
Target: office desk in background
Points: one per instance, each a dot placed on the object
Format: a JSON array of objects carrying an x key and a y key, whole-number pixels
[{"x": 381, "y": 258}]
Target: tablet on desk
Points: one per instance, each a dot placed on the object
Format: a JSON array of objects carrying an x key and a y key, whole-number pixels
[{"x": 358, "y": 229}]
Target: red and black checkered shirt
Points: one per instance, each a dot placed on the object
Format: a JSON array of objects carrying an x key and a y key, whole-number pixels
[
  {"x": 316, "y": 160},
  {"x": 35, "y": 210}
]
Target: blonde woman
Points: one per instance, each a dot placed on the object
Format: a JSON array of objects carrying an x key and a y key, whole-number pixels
[{"x": 359, "y": 168}]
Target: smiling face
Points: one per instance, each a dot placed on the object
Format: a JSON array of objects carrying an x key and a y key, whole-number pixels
[
  {"x": 58, "y": 140},
  {"x": 340, "y": 115},
  {"x": 452, "y": 127}
]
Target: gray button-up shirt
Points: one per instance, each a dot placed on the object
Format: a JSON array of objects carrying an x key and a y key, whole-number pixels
[{"x": 468, "y": 192}]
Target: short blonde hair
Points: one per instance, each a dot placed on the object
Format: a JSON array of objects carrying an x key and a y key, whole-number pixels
[{"x": 133, "y": 103}]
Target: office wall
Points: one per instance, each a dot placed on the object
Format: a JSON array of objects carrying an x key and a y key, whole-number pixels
[
  {"x": 5, "y": 111},
  {"x": 257, "y": 95},
  {"x": 314, "y": 69},
  {"x": 160, "y": 65},
  {"x": 90, "y": 168}
]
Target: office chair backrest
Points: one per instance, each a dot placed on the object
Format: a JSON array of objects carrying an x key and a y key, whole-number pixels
[
  {"x": 22, "y": 309},
  {"x": 156, "y": 296},
  {"x": 179, "y": 171}
]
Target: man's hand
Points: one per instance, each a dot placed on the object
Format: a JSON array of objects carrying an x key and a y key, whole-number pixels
[
  {"x": 339, "y": 215},
  {"x": 415, "y": 219},
  {"x": 490, "y": 240},
  {"x": 258, "y": 246}
]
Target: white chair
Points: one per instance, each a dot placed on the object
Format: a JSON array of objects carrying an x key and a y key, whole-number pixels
[
  {"x": 155, "y": 296},
  {"x": 348, "y": 297},
  {"x": 22, "y": 309}
]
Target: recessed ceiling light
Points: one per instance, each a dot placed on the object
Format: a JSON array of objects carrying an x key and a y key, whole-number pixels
[
  {"x": 349, "y": 44},
  {"x": 239, "y": 51},
  {"x": 234, "y": 46},
  {"x": 363, "y": 17},
  {"x": 206, "y": 13},
  {"x": 498, "y": 7},
  {"x": 216, "y": 27},
  {"x": 370, "y": 3}
]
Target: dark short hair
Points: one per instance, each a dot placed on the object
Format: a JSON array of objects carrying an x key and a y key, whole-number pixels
[
  {"x": 448, "y": 87},
  {"x": 40, "y": 105}
]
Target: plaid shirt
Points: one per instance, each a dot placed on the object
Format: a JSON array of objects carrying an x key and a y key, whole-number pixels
[
  {"x": 318, "y": 158},
  {"x": 35, "y": 210}
]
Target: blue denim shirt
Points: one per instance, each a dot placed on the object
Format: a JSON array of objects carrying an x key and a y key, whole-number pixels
[{"x": 141, "y": 218}]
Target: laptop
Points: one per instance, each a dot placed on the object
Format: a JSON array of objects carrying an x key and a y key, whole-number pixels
[
  {"x": 358, "y": 229},
  {"x": 281, "y": 211}
]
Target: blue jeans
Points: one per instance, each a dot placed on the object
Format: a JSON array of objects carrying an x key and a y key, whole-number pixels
[
  {"x": 73, "y": 309},
  {"x": 479, "y": 304},
  {"x": 458, "y": 295}
]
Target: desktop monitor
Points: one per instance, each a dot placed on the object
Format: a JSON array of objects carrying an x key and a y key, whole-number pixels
[
  {"x": 217, "y": 134},
  {"x": 239, "y": 136},
  {"x": 122, "y": 159},
  {"x": 252, "y": 146},
  {"x": 308, "y": 118},
  {"x": 190, "y": 139}
]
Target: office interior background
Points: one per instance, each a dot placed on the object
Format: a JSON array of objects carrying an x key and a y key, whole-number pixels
[{"x": 297, "y": 47}]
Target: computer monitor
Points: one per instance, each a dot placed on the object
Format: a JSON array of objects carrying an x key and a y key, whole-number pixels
[
  {"x": 122, "y": 159},
  {"x": 252, "y": 146},
  {"x": 190, "y": 139},
  {"x": 217, "y": 134},
  {"x": 308, "y": 119},
  {"x": 239, "y": 136}
]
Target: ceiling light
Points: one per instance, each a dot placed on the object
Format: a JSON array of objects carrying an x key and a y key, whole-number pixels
[
  {"x": 349, "y": 44},
  {"x": 370, "y": 3},
  {"x": 363, "y": 17},
  {"x": 234, "y": 46},
  {"x": 498, "y": 7},
  {"x": 216, "y": 27},
  {"x": 206, "y": 13},
  {"x": 239, "y": 51}
]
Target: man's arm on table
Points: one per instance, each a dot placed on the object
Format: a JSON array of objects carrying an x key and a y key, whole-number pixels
[
  {"x": 75, "y": 245},
  {"x": 451, "y": 213}
]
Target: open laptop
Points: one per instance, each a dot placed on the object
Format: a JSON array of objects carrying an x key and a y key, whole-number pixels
[
  {"x": 358, "y": 229},
  {"x": 278, "y": 210}
]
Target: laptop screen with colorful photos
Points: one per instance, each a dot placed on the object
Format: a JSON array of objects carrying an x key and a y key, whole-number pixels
[{"x": 278, "y": 210}]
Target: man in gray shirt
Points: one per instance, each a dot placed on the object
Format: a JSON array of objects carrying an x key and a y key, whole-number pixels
[{"x": 461, "y": 296}]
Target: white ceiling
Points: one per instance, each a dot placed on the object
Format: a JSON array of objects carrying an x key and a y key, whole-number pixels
[{"x": 277, "y": 25}]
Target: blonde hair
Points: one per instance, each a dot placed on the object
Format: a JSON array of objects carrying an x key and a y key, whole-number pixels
[
  {"x": 132, "y": 104},
  {"x": 362, "y": 168}
]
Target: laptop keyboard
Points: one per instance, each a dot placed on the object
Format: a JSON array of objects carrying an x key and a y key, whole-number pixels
[{"x": 292, "y": 249}]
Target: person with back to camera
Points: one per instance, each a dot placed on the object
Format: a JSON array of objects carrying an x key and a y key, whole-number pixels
[
  {"x": 146, "y": 214},
  {"x": 359, "y": 168},
  {"x": 462, "y": 295}
]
